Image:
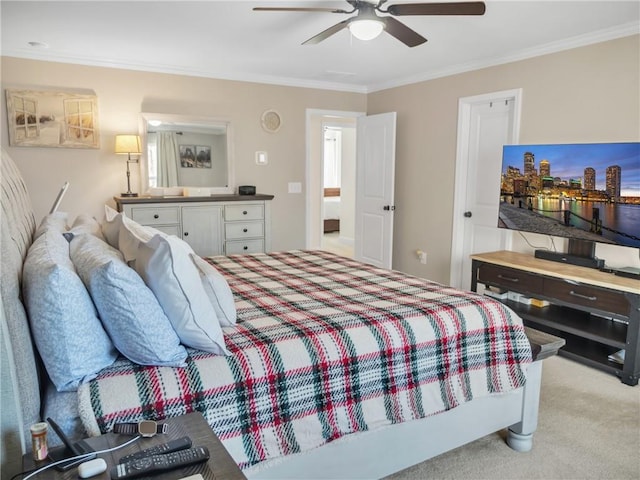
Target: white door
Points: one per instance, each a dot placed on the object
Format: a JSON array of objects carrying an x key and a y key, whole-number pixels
[
  {"x": 486, "y": 123},
  {"x": 375, "y": 171}
]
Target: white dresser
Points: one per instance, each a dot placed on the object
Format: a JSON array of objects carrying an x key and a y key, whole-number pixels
[{"x": 215, "y": 225}]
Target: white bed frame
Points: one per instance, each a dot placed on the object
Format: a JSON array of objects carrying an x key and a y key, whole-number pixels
[
  {"x": 365, "y": 455},
  {"x": 382, "y": 452}
]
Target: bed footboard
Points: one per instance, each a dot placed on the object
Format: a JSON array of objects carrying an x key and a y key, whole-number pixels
[{"x": 381, "y": 452}]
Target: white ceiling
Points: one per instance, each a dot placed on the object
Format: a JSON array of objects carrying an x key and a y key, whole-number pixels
[{"x": 226, "y": 39}]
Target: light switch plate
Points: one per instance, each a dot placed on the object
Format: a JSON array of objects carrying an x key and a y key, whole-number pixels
[
  {"x": 262, "y": 158},
  {"x": 295, "y": 187}
]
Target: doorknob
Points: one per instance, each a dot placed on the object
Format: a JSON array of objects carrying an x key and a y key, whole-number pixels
[
  {"x": 389, "y": 207},
  {"x": 468, "y": 214}
]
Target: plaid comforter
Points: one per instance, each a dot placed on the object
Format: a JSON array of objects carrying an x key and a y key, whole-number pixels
[{"x": 324, "y": 346}]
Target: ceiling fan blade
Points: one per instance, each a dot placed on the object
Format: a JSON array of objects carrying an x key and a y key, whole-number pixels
[
  {"x": 403, "y": 33},
  {"x": 452, "y": 8},
  {"x": 298, "y": 9},
  {"x": 327, "y": 33}
]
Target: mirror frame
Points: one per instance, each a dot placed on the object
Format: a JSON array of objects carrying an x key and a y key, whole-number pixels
[{"x": 146, "y": 117}]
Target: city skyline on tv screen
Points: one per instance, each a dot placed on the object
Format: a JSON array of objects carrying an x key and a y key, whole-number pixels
[{"x": 568, "y": 161}]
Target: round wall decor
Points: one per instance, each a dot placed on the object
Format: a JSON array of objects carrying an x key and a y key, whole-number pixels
[{"x": 271, "y": 121}]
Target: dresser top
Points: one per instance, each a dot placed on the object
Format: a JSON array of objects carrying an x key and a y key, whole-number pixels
[
  {"x": 591, "y": 276},
  {"x": 142, "y": 199}
]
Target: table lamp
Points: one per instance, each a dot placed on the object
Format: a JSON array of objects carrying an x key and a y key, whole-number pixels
[{"x": 128, "y": 144}]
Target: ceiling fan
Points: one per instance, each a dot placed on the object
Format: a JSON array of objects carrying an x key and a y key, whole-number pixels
[{"x": 367, "y": 24}]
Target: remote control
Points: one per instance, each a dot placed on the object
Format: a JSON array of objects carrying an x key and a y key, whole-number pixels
[
  {"x": 172, "y": 446},
  {"x": 159, "y": 463}
]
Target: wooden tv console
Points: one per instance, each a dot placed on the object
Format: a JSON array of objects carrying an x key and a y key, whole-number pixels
[{"x": 597, "y": 313}]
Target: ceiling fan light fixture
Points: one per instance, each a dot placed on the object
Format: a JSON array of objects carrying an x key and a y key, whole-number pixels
[{"x": 366, "y": 29}]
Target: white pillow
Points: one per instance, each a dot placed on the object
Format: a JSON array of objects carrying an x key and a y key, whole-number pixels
[
  {"x": 130, "y": 235},
  {"x": 218, "y": 291},
  {"x": 111, "y": 226},
  {"x": 164, "y": 264}
]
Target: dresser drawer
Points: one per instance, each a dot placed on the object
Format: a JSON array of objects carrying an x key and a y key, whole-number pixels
[
  {"x": 247, "y": 246},
  {"x": 511, "y": 279},
  {"x": 234, "y": 231},
  {"x": 155, "y": 215},
  {"x": 234, "y": 213},
  {"x": 587, "y": 296}
]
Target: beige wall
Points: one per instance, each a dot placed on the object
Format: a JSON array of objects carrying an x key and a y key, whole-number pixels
[
  {"x": 581, "y": 95},
  {"x": 97, "y": 175},
  {"x": 588, "y": 94}
]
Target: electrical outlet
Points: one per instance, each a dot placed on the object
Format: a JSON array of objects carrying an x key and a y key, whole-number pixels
[{"x": 422, "y": 256}]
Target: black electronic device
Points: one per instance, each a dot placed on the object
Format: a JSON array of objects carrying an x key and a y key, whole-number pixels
[
  {"x": 163, "y": 449},
  {"x": 69, "y": 450},
  {"x": 628, "y": 272},
  {"x": 246, "y": 190},
  {"x": 581, "y": 261},
  {"x": 159, "y": 463},
  {"x": 585, "y": 192}
]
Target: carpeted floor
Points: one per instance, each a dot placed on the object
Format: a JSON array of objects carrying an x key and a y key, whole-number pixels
[
  {"x": 588, "y": 428},
  {"x": 332, "y": 243}
]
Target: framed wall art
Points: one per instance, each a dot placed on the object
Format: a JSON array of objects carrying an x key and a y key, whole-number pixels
[
  {"x": 187, "y": 156},
  {"x": 203, "y": 156},
  {"x": 52, "y": 119}
]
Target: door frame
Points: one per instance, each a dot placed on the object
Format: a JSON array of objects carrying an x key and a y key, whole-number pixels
[
  {"x": 465, "y": 105},
  {"x": 313, "y": 165}
]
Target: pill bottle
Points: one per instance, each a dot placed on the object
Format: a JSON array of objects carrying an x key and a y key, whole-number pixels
[{"x": 39, "y": 440}]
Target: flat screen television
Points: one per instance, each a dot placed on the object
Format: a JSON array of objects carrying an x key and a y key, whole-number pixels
[{"x": 587, "y": 192}]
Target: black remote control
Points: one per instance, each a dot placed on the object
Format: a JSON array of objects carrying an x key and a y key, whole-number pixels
[
  {"x": 171, "y": 446},
  {"x": 159, "y": 463}
]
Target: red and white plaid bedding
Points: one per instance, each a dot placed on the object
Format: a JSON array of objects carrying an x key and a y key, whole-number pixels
[{"x": 324, "y": 346}]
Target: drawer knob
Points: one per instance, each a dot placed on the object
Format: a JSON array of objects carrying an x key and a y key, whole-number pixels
[
  {"x": 508, "y": 279},
  {"x": 244, "y": 212},
  {"x": 156, "y": 216},
  {"x": 245, "y": 230},
  {"x": 245, "y": 248},
  {"x": 186, "y": 234}
]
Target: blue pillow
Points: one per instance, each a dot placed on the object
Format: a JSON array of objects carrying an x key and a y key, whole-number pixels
[
  {"x": 128, "y": 309},
  {"x": 69, "y": 336}
]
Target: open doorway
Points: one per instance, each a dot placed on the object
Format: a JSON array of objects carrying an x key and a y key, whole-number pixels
[
  {"x": 317, "y": 123},
  {"x": 338, "y": 192}
]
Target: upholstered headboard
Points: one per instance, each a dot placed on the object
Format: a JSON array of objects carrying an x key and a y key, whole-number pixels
[{"x": 20, "y": 378}]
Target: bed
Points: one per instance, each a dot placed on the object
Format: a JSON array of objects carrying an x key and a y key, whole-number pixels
[
  {"x": 331, "y": 209},
  {"x": 335, "y": 369}
]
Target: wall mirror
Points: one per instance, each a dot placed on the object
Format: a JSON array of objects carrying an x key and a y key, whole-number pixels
[{"x": 186, "y": 151}]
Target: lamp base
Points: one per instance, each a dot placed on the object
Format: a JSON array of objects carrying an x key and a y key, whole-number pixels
[{"x": 128, "y": 194}]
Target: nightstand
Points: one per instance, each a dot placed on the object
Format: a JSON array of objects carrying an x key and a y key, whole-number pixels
[{"x": 219, "y": 466}]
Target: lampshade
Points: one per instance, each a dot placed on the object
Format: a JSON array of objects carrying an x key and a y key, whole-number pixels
[
  {"x": 366, "y": 29},
  {"x": 128, "y": 144}
]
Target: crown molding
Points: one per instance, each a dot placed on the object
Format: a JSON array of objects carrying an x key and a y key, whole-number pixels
[
  {"x": 620, "y": 31},
  {"x": 599, "y": 36}
]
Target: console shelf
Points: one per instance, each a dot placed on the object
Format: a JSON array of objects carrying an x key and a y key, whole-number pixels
[{"x": 596, "y": 313}]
